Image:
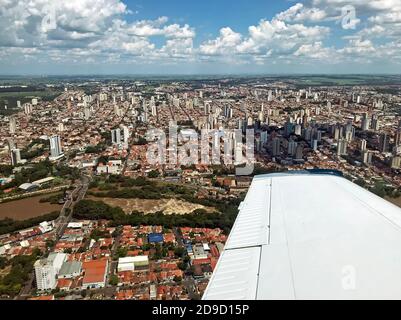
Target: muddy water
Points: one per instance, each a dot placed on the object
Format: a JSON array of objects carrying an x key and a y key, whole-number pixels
[{"x": 27, "y": 208}]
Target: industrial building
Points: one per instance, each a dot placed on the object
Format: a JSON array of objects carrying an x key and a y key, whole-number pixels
[
  {"x": 133, "y": 263},
  {"x": 70, "y": 270}
]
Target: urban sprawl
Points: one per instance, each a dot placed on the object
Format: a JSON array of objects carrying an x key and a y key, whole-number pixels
[{"x": 125, "y": 227}]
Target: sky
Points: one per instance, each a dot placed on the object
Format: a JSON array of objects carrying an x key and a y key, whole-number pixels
[{"x": 45, "y": 37}]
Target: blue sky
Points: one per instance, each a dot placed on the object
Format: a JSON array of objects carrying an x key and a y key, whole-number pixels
[
  {"x": 186, "y": 37},
  {"x": 208, "y": 16}
]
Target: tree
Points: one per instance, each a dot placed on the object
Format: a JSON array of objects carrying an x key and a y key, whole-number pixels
[
  {"x": 179, "y": 252},
  {"x": 121, "y": 252},
  {"x": 153, "y": 174},
  {"x": 113, "y": 280},
  {"x": 49, "y": 243},
  {"x": 3, "y": 262},
  {"x": 182, "y": 265}
]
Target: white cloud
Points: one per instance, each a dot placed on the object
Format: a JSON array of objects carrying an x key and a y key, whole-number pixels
[
  {"x": 298, "y": 13},
  {"x": 96, "y": 31},
  {"x": 86, "y": 27},
  {"x": 266, "y": 41},
  {"x": 315, "y": 51},
  {"x": 224, "y": 44}
]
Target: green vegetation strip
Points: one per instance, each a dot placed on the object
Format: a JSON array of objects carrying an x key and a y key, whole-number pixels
[
  {"x": 223, "y": 218},
  {"x": 9, "y": 225}
]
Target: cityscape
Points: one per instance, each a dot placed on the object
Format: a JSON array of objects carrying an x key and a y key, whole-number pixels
[{"x": 126, "y": 185}]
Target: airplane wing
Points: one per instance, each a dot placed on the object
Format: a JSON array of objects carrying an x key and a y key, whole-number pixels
[{"x": 310, "y": 236}]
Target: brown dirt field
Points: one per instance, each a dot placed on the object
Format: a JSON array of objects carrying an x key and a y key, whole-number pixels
[
  {"x": 168, "y": 206},
  {"x": 27, "y": 208}
]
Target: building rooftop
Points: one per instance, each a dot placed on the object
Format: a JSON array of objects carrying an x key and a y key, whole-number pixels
[
  {"x": 70, "y": 267},
  {"x": 95, "y": 271},
  {"x": 310, "y": 236}
]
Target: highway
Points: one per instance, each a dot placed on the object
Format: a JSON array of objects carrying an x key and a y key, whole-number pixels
[
  {"x": 60, "y": 224},
  {"x": 67, "y": 210}
]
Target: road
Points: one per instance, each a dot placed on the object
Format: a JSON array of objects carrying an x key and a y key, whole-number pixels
[
  {"x": 114, "y": 263},
  {"x": 61, "y": 224},
  {"x": 66, "y": 215},
  {"x": 188, "y": 281}
]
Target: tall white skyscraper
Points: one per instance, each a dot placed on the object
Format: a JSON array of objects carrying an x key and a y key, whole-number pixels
[
  {"x": 27, "y": 108},
  {"x": 363, "y": 145},
  {"x": 45, "y": 275},
  {"x": 342, "y": 147},
  {"x": 55, "y": 146},
  {"x": 13, "y": 125},
  {"x": 125, "y": 135},
  {"x": 46, "y": 270}
]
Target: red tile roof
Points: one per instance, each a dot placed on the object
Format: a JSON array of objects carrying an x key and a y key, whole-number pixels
[{"x": 95, "y": 271}]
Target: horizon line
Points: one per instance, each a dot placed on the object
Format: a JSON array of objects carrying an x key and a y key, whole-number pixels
[{"x": 194, "y": 74}]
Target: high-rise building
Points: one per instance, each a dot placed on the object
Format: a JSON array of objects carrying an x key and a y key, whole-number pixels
[
  {"x": 27, "y": 108},
  {"x": 384, "y": 142},
  {"x": 125, "y": 135},
  {"x": 292, "y": 146},
  {"x": 13, "y": 125},
  {"x": 116, "y": 136},
  {"x": 342, "y": 147},
  {"x": 314, "y": 144},
  {"x": 337, "y": 133},
  {"x": 87, "y": 113},
  {"x": 263, "y": 137},
  {"x": 398, "y": 135},
  {"x": 15, "y": 155},
  {"x": 395, "y": 162},
  {"x": 55, "y": 147},
  {"x": 363, "y": 145},
  {"x": 298, "y": 129},
  {"x": 47, "y": 269},
  {"x": 250, "y": 121},
  {"x": 299, "y": 152},
  {"x": 366, "y": 157},
  {"x": 275, "y": 147},
  {"x": 365, "y": 122},
  {"x": 398, "y": 138},
  {"x": 375, "y": 122}
]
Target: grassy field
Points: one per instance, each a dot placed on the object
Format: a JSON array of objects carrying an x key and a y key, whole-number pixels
[{"x": 10, "y": 98}]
